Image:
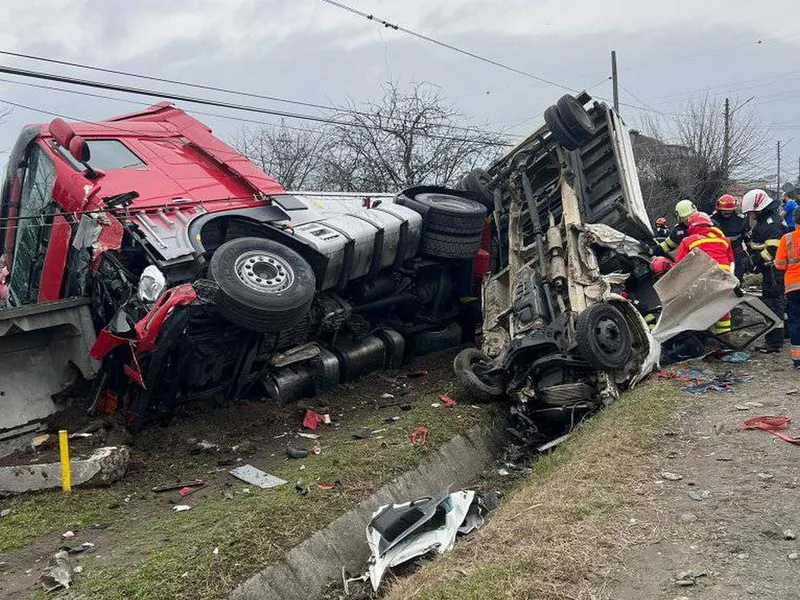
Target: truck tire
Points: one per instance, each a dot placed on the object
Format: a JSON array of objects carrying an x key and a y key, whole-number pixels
[
  {"x": 559, "y": 130},
  {"x": 476, "y": 182},
  {"x": 442, "y": 245},
  {"x": 428, "y": 342},
  {"x": 467, "y": 367},
  {"x": 263, "y": 285},
  {"x": 604, "y": 337},
  {"x": 576, "y": 119},
  {"x": 445, "y": 213}
]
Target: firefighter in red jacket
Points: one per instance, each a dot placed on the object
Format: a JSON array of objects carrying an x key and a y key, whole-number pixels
[{"x": 702, "y": 234}]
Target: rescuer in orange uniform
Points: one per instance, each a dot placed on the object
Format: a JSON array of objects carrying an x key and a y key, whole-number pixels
[
  {"x": 702, "y": 234},
  {"x": 787, "y": 259}
]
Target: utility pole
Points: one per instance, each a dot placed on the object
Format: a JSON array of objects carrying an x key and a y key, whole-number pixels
[
  {"x": 614, "y": 81},
  {"x": 726, "y": 148},
  {"x": 778, "y": 184}
]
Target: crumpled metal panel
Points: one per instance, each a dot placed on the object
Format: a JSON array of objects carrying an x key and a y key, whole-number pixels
[
  {"x": 695, "y": 294},
  {"x": 167, "y": 230}
]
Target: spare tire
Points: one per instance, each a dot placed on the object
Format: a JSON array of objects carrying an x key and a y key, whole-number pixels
[
  {"x": 263, "y": 285},
  {"x": 604, "y": 337},
  {"x": 575, "y": 119},
  {"x": 445, "y": 213},
  {"x": 476, "y": 182},
  {"x": 468, "y": 367}
]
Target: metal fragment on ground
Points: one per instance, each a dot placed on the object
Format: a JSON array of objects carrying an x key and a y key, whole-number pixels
[
  {"x": 249, "y": 474},
  {"x": 58, "y": 574}
]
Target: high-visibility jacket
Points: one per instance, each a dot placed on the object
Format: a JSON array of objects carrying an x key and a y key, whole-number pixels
[
  {"x": 674, "y": 238},
  {"x": 711, "y": 241},
  {"x": 787, "y": 259}
]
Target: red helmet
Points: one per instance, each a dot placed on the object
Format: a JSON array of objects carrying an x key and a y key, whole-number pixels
[
  {"x": 660, "y": 264},
  {"x": 726, "y": 202},
  {"x": 661, "y": 222},
  {"x": 697, "y": 221}
]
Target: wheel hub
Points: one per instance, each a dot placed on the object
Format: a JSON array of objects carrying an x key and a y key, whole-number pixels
[
  {"x": 608, "y": 335},
  {"x": 264, "y": 272}
]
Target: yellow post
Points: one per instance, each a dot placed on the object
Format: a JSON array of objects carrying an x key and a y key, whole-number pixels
[{"x": 63, "y": 445}]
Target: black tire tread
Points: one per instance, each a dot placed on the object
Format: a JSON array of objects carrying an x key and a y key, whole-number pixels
[
  {"x": 476, "y": 388},
  {"x": 568, "y": 109},
  {"x": 559, "y": 131},
  {"x": 442, "y": 245},
  {"x": 585, "y": 337}
]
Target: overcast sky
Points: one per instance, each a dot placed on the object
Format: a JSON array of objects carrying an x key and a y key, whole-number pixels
[{"x": 668, "y": 53}]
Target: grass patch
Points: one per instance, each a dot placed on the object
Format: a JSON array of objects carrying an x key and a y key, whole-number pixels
[{"x": 565, "y": 522}]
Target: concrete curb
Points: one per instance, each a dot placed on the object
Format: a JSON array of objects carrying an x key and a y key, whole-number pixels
[
  {"x": 309, "y": 567},
  {"x": 105, "y": 466}
]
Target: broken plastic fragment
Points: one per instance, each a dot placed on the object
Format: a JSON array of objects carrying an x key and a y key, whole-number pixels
[
  {"x": 447, "y": 400},
  {"x": 58, "y": 574},
  {"x": 181, "y": 507},
  {"x": 312, "y": 419}
]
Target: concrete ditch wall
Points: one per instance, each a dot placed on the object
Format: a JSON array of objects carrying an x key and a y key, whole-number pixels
[{"x": 309, "y": 567}]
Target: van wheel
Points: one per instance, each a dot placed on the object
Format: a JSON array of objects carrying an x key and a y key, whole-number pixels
[
  {"x": 575, "y": 119},
  {"x": 470, "y": 367},
  {"x": 604, "y": 337},
  {"x": 264, "y": 286}
]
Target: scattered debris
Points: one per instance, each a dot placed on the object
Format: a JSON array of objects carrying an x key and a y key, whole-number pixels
[
  {"x": 391, "y": 419},
  {"x": 789, "y": 535},
  {"x": 181, "y": 507},
  {"x": 58, "y": 574},
  {"x": 553, "y": 443},
  {"x": 168, "y": 487},
  {"x": 188, "y": 491},
  {"x": 792, "y": 392},
  {"x": 81, "y": 435},
  {"x": 793, "y": 556},
  {"x": 336, "y": 485},
  {"x": 435, "y": 404},
  {"x": 293, "y": 452},
  {"x": 773, "y": 425},
  {"x": 40, "y": 441},
  {"x": 689, "y": 578},
  {"x": 300, "y": 488},
  {"x": 204, "y": 446},
  {"x": 309, "y": 436},
  {"x": 78, "y": 569},
  {"x": 491, "y": 500},
  {"x": 765, "y": 476},
  {"x": 78, "y": 549},
  {"x": 5, "y": 513},
  {"x": 227, "y": 494},
  {"x": 363, "y": 433},
  {"x": 398, "y": 533},
  {"x": 67, "y": 535},
  {"x": 386, "y": 396},
  {"x": 503, "y": 472},
  {"x": 215, "y": 551},
  {"x": 249, "y": 474},
  {"x": 312, "y": 419},
  {"x": 671, "y": 476},
  {"x": 419, "y": 435},
  {"x": 736, "y": 357},
  {"x": 447, "y": 401}
]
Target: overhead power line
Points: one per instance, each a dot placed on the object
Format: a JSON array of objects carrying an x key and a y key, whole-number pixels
[
  {"x": 427, "y": 38},
  {"x": 216, "y": 103},
  {"x": 201, "y": 86}
]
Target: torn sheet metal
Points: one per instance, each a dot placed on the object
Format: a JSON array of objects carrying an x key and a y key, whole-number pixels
[
  {"x": 249, "y": 474},
  {"x": 599, "y": 234},
  {"x": 398, "y": 533},
  {"x": 695, "y": 294}
]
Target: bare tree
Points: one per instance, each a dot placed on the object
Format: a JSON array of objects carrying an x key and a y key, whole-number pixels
[
  {"x": 684, "y": 155},
  {"x": 407, "y": 138},
  {"x": 294, "y": 156}
]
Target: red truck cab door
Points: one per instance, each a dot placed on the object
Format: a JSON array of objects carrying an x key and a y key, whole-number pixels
[{"x": 37, "y": 246}]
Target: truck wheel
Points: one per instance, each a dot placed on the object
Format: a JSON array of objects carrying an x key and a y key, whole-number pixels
[
  {"x": 559, "y": 130},
  {"x": 444, "y": 213},
  {"x": 575, "y": 119},
  {"x": 435, "y": 340},
  {"x": 604, "y": 337},
  {"x": 263, "y": 285},
  {"x": 477, "y": 183},
  {"x": 470, "y": 366},
  {"x": 442, "y": 245}
]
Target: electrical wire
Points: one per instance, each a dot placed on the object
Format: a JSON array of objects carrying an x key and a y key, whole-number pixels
[
  {"x": 220, "y": 104},
  {"x": 432, "y": 40}
]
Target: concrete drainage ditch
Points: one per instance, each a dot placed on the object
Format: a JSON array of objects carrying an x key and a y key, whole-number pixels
[{"x": 312, "y": 565}]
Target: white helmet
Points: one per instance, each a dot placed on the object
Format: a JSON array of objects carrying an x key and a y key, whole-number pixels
[{"x": 755, "y": 201}]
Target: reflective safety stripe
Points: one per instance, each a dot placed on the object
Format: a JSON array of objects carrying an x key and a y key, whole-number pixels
[
  {"x": 794, "y": 351},
  {"x": 791, "y": 259},
  {"x": 725, "y": 268},
  {"x": 780, "y": 263},
  {"x": 765, "y": 254},
  {"x": 649, "y": 318},
  {"x": 792, "y": 287},
  {"x": 709, "y": 240}
]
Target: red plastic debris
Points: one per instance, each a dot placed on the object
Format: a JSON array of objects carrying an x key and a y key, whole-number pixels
[
  {"x": 326, "y": 486},
  {"x": 419, "y": 435},
  {"x": 773, "y": 425},
  {"x": 186, "y": 490},
  {"x": 312, "y": 419},
  {"x": 447, "y": 400}
]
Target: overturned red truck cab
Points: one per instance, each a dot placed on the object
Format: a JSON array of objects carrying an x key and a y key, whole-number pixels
[{"x": 203, "y": 277}]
